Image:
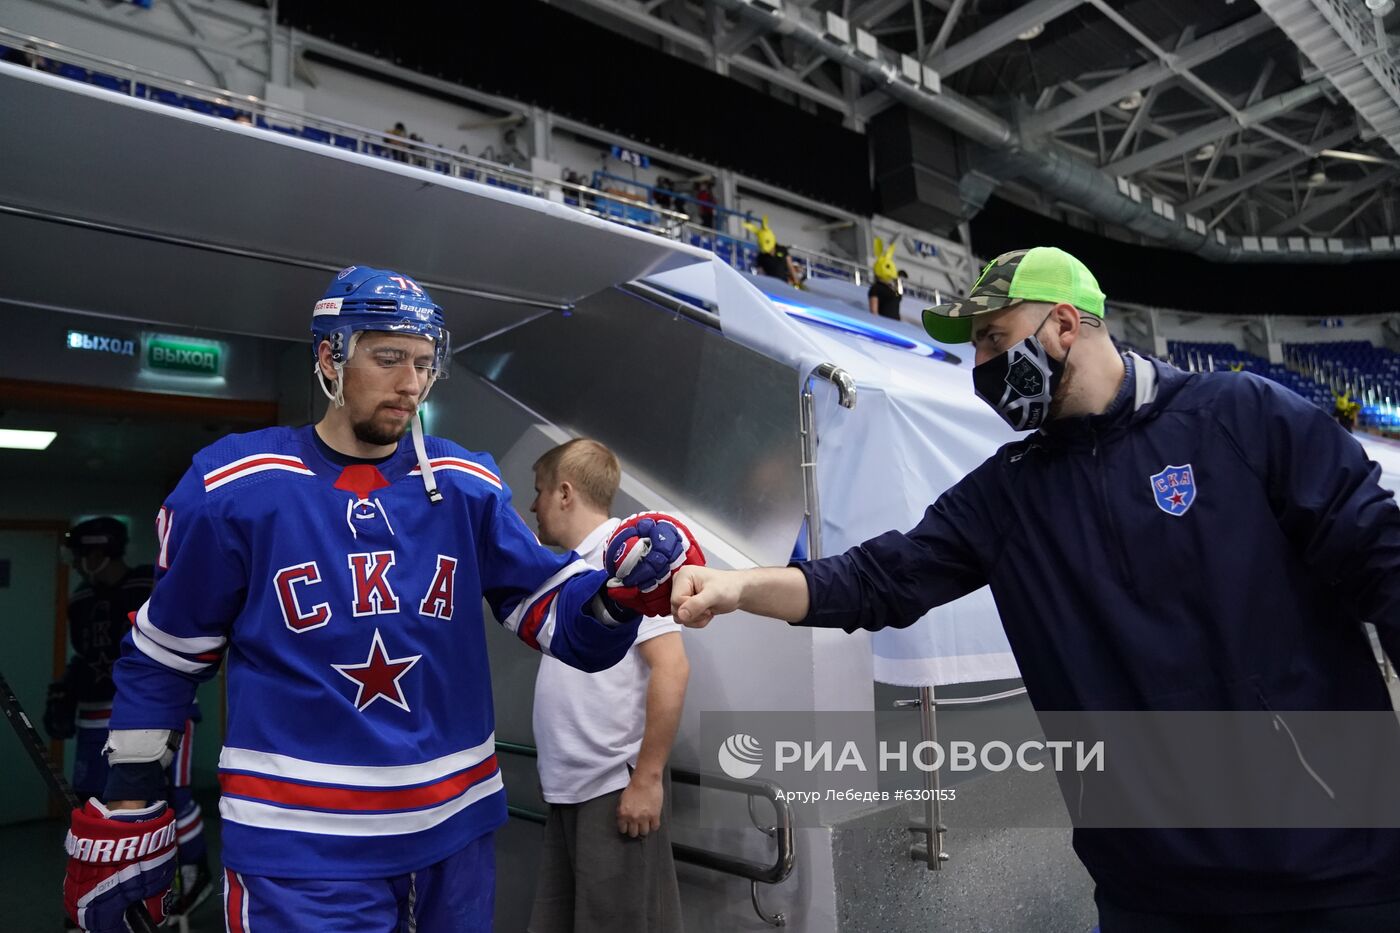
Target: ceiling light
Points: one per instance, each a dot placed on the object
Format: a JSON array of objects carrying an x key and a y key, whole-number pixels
[
  {"x": 1354, "y": 156},
  {"x": 1317, "y": 173},
  {"x": 1038, "y": 28},
  {"x": 1380, "y": 7},
  {"x": 26, "y": 440},
  {"x": 1205, "y": 152},
  {"x": 1132, "y": 102}
]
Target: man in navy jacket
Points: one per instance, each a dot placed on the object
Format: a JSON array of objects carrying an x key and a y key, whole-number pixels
[{"x": 1163, "y": 541}]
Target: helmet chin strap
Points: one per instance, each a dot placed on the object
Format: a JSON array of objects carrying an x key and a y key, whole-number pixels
[
  {"x": 424, "y": 465},
  {"x": 337, "y": 396}
]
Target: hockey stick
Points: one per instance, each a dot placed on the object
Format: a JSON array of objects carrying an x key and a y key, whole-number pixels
[{"x": 136, "y": 916}]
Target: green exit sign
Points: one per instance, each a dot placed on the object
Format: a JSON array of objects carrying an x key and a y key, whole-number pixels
[{"x": 181, "y": 356}]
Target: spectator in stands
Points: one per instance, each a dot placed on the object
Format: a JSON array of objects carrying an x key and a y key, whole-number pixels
[
  {"x": 417, "y": 158},
  {"x": 661, "y": 193},
  {"x": 773, "y": 257},
  {"x": 396, "y": 149},
  {"x": 581, "y": 195},
  {"x": 604, "y": 738},
  {"x": 243, "y": 119},
  {"x": 511, "y": 153},
  {"x": 884, "y": 294},
  {"x": 28, "y": 57},
  {"x": 705, "y": 201},
  {"x": 1345, "y": 411}
]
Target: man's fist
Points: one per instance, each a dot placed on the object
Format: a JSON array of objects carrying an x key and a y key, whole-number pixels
[
  {"x": 640, "y": 557},
  {"x": 117, "y": 858},
  {"x": 698, "y": 594}
]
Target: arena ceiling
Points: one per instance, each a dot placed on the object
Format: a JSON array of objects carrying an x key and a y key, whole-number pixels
[{"x": 1279, "y": 118}]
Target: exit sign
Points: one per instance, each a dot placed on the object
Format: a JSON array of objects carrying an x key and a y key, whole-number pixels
[{"x": 169, "y": 354}]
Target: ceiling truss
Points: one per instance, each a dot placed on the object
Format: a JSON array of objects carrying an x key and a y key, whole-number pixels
[{"x": 1215, "y": 118}]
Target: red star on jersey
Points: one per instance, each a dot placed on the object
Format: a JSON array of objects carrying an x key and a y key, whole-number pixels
[
  {"x": 1177, "y": 498},
  {"x": 378, "y": 676}
]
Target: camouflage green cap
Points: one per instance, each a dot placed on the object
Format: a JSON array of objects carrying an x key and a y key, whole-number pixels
[{"x": 1042, "y": 273}]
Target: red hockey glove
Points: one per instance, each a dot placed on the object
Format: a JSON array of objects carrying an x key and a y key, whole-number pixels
[
  {"x": 641, "y": 556},
  {"x": 115, "y": 859}
]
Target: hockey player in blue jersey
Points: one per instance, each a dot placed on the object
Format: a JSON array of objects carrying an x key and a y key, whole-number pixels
[{"x": 339, "y": 570}]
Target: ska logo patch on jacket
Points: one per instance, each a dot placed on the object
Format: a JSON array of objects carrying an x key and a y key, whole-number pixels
[{"x": 1174, "y": 489}]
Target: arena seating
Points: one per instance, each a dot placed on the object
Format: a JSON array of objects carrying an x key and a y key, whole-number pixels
[
  {"x": 1316, "y": 371},
  {"x": 1202, "y": 356},
  {"x": 1370, "y": 374},
  {"x": 209, "y": 108}
]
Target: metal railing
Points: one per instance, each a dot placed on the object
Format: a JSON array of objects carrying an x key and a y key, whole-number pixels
[
  {"x": 930, "y": 851},
  {"x": 134, "y": 81},
  {"x": 756, "y": 873}
]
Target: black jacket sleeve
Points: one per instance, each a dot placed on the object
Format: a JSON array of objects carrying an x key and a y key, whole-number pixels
[
  {"x": 1327, "y": 498},
  {"x": 894, "y": 579}
]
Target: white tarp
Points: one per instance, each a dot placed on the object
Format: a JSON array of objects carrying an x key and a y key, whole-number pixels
[
  {"x": 1387, "y": 454},
  {"x": 916, "y": 429}
]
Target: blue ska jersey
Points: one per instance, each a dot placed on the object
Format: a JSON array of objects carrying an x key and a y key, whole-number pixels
[{"x": 360, "y": 727}]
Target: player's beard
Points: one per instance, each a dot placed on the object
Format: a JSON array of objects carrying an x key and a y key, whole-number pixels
[{"x": 377, "y": 433}]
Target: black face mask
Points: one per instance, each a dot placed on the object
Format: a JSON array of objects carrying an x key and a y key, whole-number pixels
[{"x": 1020, "y": 383}]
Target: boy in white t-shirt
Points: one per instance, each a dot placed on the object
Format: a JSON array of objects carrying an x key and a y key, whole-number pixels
[{"x": 604, "y": 738}]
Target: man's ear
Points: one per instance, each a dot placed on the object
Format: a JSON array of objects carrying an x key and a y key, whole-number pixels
[
  {"x": 566, "y": 493},
  {"x": 323, "y": 360},
  {"x": 1068, "y": 323}
]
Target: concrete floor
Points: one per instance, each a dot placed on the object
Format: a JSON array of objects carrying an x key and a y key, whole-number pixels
[
  {"x": 31, "y": 861},
  {"x": 31, "y": 877}
]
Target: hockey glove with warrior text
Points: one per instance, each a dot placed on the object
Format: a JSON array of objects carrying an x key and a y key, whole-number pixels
[
  {"x": 115, "y": 859},
  {"x": 641, "y": 557}
]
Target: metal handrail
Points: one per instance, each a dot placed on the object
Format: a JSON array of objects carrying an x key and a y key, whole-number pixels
[
  {"x": 786, "y": 854},
  {"x": 654, "y": 295},
  {"x": 420, "y": 153},
  {"x": 845, "y": 385},
  {"x": 811, "y": 498},
  {"x": 676, "y": 195},
  {"x": 754, "y": 872},
  {"x": 622, "y": 210},
  {"x": 931, "y": 851},
  {"x": 963, "y": 701},
  {"x": 852, "y": 271}
]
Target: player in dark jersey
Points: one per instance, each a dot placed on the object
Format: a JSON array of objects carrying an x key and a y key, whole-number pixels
[{"x": 80, "y": 702}]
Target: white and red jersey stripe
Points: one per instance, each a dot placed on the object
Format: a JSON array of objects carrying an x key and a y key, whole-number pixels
[
  {"x": 94, "y": 715},
  {"x": 187, "y": 655},
  {"x": 255, "y": 463},
  {"x": 534, "y": 618},
  {"x": 281, "y": 792},
  {"x": 190, "y": 825},
  {"x": 461, "y": 466}
]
